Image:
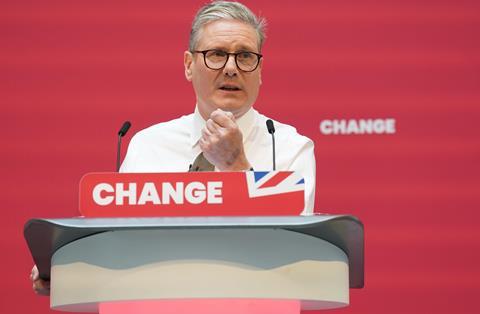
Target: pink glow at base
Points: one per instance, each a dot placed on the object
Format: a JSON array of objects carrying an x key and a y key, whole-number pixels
[{"x": 201, "y": 306}]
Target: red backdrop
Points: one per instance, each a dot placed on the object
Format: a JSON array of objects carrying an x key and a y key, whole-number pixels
[{"x": 72, "y": 71}]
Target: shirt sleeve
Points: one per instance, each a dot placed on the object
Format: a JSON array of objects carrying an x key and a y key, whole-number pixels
[{"x": 128, "y": 164}]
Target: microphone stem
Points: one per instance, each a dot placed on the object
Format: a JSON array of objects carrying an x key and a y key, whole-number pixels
[
  {"x": 273, "y": 152},
  {"x": 119, "y": 144}
]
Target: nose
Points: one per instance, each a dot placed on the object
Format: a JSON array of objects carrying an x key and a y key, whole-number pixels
[{"x": 230, "y": 68}]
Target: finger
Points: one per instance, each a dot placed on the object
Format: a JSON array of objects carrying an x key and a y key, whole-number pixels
[
  {"x": 41, "y": 287},
  {"x": 206, "y": 132},
  {"x": 231, "y": 116},
  {"x": 208, "y": 138},
  {"x": 203, "y": 144},
  {"x": 34, "y": 275},
  {"x": 213, "y": 127},
  {"x": 223, "y": 119}
]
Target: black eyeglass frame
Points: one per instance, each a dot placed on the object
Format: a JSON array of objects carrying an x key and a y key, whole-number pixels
[{"x": 235, "y": 54}]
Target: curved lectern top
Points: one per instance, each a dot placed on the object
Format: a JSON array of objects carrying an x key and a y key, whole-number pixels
[{"x": 46, "y": 236}]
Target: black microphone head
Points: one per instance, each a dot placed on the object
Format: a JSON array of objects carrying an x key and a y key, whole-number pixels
[
  {"x": 270, "y": 127},
  {"x": 124, "y": 129}
]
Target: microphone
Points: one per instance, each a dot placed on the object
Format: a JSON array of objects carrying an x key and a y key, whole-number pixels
[
  {"x": 124, "y": 129},
  {"x": 271, "y": 130},
  {"x": 121, "y": 133}
]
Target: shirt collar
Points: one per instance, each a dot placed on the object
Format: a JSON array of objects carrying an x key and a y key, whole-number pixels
[{"x": 245, "y": 123}]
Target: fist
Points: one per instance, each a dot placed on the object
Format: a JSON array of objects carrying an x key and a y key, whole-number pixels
[{"x": 222, "y": 142}]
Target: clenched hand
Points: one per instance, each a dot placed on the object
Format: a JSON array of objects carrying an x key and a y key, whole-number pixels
[{"x": 222, "y": 142}]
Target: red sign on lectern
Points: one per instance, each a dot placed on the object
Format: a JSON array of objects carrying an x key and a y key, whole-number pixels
[{"x": 250, "y": 193}]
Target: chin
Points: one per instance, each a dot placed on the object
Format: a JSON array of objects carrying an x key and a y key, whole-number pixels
[
  {"x": 230, "y": 105},
  {"x": 236, "y": 106}
]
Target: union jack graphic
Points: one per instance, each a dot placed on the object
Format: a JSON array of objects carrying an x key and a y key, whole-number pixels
[{"x": 265, "y": 183}]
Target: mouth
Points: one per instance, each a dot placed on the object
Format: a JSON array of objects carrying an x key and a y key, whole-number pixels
[{"x": 230, "y": 88}]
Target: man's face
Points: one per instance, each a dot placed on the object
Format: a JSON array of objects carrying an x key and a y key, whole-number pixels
[{"x": 229, "y": 88}]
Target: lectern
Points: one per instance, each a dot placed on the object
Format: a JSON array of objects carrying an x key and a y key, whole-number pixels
[{"x": 269, "y": 264}]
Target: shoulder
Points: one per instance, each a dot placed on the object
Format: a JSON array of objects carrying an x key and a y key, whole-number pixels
[{"x": 170, "y": 129}]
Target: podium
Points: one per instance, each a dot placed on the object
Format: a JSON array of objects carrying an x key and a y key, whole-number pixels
[{"x": 276, "y": 264}]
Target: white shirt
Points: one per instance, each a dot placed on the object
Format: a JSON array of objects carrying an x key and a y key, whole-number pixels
[{"x": 172, "y": 146}]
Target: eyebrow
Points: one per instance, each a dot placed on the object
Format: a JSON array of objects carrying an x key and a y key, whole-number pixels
[
  {"x": 240, "y": 48},
  {"x": 246, "y": 48}
]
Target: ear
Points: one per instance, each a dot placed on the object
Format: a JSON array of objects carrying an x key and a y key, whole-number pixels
[{"x": 187, "y": 62}]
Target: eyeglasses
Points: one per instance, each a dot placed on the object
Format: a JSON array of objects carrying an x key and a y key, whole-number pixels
[{"x": 216, "y": 59}]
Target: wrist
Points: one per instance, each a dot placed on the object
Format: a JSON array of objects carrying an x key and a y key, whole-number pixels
[{"x": 242, "y": 164}]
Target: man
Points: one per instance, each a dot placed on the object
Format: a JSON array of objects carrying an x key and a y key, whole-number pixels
[{"x": 224, "y": 64}]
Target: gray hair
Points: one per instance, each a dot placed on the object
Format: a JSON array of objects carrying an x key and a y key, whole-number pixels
[{"x": 217, "y": 10}]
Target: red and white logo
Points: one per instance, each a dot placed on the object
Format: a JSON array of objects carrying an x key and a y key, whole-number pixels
[{"x": 191, "y": 194}]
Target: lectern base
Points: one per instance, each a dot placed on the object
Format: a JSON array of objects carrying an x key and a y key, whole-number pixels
[
  {"x": 200, "y": 306},
  {"x": 219, "y": 264}
]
